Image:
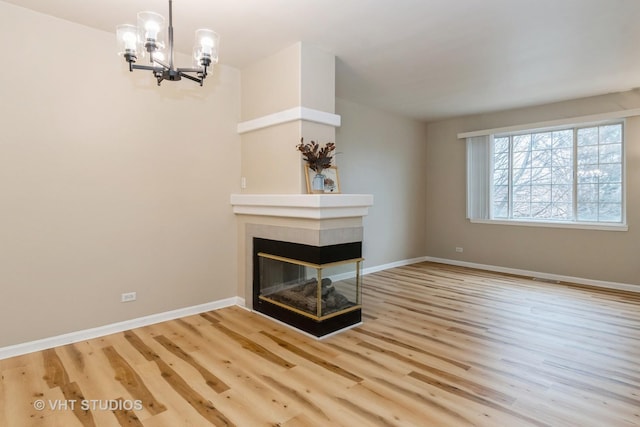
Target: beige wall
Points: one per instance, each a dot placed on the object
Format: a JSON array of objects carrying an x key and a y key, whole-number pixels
[
  {"x": 270, "y": 161},
  {"x": 300, "y": 75},
  {"x": 272, "y": 85},
  {"x": 383, "y": 154},
  {"x": 108, "y": 184},
  {"x": 317, "y": 78},
  {"x": 609, "y": 256}
]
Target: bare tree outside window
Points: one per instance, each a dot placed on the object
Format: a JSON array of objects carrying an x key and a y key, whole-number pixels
[{"x": 559, "y": 175}]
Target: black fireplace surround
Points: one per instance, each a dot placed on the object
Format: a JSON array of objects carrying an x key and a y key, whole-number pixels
[{"x": 317, "y": 255}]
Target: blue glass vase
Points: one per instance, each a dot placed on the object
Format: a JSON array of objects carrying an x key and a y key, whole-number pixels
[{"x": 317, "y": 185}]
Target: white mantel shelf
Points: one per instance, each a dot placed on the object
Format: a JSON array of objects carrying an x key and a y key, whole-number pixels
[{"x": 308, "y": 206}]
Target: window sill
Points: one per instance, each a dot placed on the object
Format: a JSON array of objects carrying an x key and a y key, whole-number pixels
[{"x": 577, "y": 225}]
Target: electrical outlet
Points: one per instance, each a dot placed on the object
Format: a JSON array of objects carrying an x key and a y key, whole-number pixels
[
  {"x": 459, "y": 249},
  {"x": 243, "y": 182},
  {"x": 128, "y": 297}
]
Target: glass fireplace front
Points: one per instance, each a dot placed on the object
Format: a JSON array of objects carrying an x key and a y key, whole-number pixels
[{"x": 316, "y": 289}]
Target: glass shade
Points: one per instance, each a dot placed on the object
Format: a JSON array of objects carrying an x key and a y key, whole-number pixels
[
  {"x": 205, "y": 51},
  {"x": 127, "y": 39},
  {"x": 151, "y": 30},
  {"x": 159, "y": 55}
]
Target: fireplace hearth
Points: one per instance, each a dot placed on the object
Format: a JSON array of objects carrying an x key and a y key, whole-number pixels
[{"x": 316, "y": 289}]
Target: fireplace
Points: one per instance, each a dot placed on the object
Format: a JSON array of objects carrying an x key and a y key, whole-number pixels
[
  {"x": 316, "y": 289},
  {"x": 302, "y": 240}
]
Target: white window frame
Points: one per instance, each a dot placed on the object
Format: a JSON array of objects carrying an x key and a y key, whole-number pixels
[{"x": 485, "y": 171}]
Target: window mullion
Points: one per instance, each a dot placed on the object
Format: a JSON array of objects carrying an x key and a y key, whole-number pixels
[
  {"x": 510, "y": 183},
  {"x": 575, "y": 175}
]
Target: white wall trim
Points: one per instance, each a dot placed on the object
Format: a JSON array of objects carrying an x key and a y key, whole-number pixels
[
  {"x": 86, "y": 334},
  {"x": 313, "y": 206},
  {"x": 554, "y": 123},
  {"x": 290, "y": 115},
  {"x": 548, "y": 276},
  {"x": 558, "y": 224}
]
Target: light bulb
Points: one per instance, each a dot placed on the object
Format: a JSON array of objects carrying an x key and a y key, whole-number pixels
[
  {"x": 151, "y": 30},
  {"x": 205, "y": 50},
  {"x": 127, "y": 39}
]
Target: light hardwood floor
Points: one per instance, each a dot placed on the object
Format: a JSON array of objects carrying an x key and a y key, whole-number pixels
[{"x": 440, "y": 346}]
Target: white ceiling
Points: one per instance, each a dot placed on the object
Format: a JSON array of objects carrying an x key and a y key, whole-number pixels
[{"x": 427, "y": 59}]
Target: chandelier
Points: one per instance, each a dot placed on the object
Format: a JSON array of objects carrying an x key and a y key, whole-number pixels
[{"x": 148, "y": 38}]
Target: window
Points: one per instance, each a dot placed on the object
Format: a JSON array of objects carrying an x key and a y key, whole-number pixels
[{"x": 568, "y": 175}]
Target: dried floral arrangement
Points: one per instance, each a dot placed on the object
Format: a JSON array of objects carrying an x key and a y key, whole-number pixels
[{"x": 318, "y": 158}]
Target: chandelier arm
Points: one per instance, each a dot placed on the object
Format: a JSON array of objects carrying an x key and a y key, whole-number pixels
[
  {"x": 146, "y": 67},
  {"x": 162, "y": 64},
  {"x": 195, "y": 79},
  {"x": 189, "y": 70}
]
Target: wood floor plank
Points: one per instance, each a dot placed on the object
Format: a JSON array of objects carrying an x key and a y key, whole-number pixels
[
  {"x": 488, "y": 402},
  {"x": 296, "y": 395},
  {"x": 212, "y": 381},
  {"x": 57, "y": 376},
  {"x": 87, "y": 365},
  {"x": 201, "y": 399},
  {"x": 413, "y": 348},
  {"x": 313, "y": 358},
  {"x": 132, "y": 381},
  {"x": 320, "y": 387},
  {"x": 23, "y": 390},
  {"x": 203, "y": 406},
  {"x": 255, "y": 348},
  {"x": 434, "y": 411}
]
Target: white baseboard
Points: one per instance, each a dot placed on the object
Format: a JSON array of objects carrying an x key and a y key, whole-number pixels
[
  {"x": 72, "y": 337},
  {"x": 350, "y": 275},
  {"x": 547, "y": 276},
  {"x": 401, "y": 263}
]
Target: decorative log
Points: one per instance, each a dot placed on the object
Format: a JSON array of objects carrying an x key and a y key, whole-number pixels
[{"x": 304, "y": 297}]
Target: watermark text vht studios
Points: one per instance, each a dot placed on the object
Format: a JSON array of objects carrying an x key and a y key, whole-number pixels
[{"x": 87, "y": 405}]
